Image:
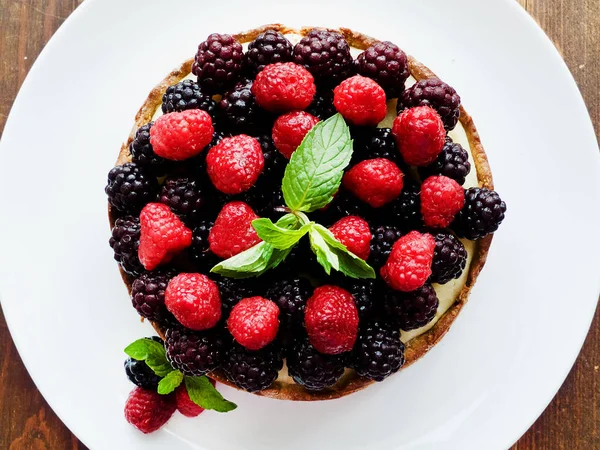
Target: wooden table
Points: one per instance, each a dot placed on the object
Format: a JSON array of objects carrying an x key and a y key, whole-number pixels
[{"x": 571, "y": 421}]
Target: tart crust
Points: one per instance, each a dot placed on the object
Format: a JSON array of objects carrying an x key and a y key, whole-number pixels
[{"x": 415, "y": 348}]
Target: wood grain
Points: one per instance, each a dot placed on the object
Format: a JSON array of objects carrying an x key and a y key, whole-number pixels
[{"x": 571, "y": 421}]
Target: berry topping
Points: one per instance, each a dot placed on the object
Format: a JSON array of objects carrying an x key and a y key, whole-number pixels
[
  {"x": 254, "y": 322},
  {"x": 185, "y": 405},
  {"x": 360, "y": 100},
  {"x": 384, "y": 237},
  {"x": 290, "y": 295},
  {"x": 452, "y": 162},
  {"x": 125, "y": 242},
  {"x": 386, "y": 64},
  {"x": 268, "y": 48},
  {"x": 355, "y": 234},
  {"x": 184, "y": 196},
  {"x": 218, "y": 62},
  {"x": 147, "y": 410},
  {"x": 232, "y": 232},
  {"x": 148, "y": 295},
  {"x": 235, "y": 163},
  {"x": 441, "y": 199},
  {"x": 436, "y": 94},
  {"x": 481, "y": 214},
  {"x": 194, "y": 300},
  {"x": 378, "y": 352},
  {"x": 365, "y": 294},
  {"x": 129, "y": 188},
  {"x": 420, "y": 135},
  {"x": 407, "y": 207},
  {"x": 180, "y": 135},
  {"x": 253, "y": 370},
  {"x": 311, "y": 369},
  {"x": 282, "y": 87},
  {"x": 409, "y": 265},
  {"x": 194, "y": 353},
  {"x": 376, "y": 143},
  {"x": 449, "y": 258},
  {"x": 375, "y": 181},
  {"x": 232, "y": 291},
  {"x": 331, "y": 320},
  {"x": 322, "y": 105},
  {"x": 289, "y": 131},
  {"x": 240, "y": 110},
  {"x": 274, "y": 161},
  {"x": 187, "y": 95},
  {"x": 140, "y": 374},
  {"x": 411, "y": 310},
  {"x": 200, "y": 248},
  {"x": 143, "y": 154}
]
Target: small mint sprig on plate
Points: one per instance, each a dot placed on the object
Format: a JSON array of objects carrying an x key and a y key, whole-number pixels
[{"x": 312, "y": 177}]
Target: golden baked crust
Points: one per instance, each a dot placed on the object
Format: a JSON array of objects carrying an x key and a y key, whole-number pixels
[{"x": 418, "y": 346}]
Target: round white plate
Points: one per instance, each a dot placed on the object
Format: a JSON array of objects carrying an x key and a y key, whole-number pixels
[{"x": 506, "y": 355}]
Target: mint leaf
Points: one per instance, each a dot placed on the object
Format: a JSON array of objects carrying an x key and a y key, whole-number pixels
[
  {"x": 170, "y": 382},
  {"x": 315, "y": 170},
  {"x": 249, "y": 263},
  {"x": 204, "y": 394},
  {"x": 325, "y": 255},
  {"x": 278, "y": 237},
  {"x": 153, "y": 353}
]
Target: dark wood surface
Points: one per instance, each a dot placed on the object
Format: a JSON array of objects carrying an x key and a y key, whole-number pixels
[{"x": 571, "y": 422}]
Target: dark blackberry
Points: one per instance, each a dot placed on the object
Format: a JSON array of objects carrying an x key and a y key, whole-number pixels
[
  {"x": 385, "y": 63},
  {"x": 378, "y": 351},
  {"x": 187, "y": 95},
  {"x": 200, "y": 248},
  {"x": 143, "y": 154},
  {"x": 268, "y": 48},
  {"x": 141, "y": 375},
  {"x": 290, "y": 294},
  {"x": 344, "y": 204},
  {"x": 130, "y": 188},
  {"x": 322, "y": 105},
  {"x": 218, "y": 63},
  {"x": 436, "y": 94},
  {"x": 481, "y": 214},
  {"x": 377, "y": 143},
  {"x": 184, "y": 196},
  {"x": 275, "y": 162},
  {"x": 384, "y": 237},
  {"x": 325, "y": 54},
  {"x": 195, "y": 353},
  {"x": 125, "y": 241},
  {"x": 240, "y": 111},
  {"x": 365, "y": 295},
  {"x": 311, "y": 369},
  {"x": 302, "y": 260},
  {"x": 452, "y": 162},
  {"x": 406, "y": 209},
  {"x": 449, "y": 258},
  {"x": 253, "y": 370},
  {"x": 410, "y": 310},
  {"x": 148, "y": 295},
  {"x": 232, "y": 291},
  {"x": 265, "y": 201}
]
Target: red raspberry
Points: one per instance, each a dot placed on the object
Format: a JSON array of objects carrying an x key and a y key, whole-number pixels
[
  {"x": 235, "y": 163},
  {"x": 253, "y": 322},
  {"x": 360, "y": 100},
  {"x": 290, "y": 129},
  {"x": 355, "y": 234},
  {"x": 282, "y": 87},
  {"x": 194, "y": 300},
  {"x": 232, "y": 232},
  {"x": 420, "y": 135},
  {"x": 148, "y": 410},
  {"x": 185, "y": 405},
  {"x": 441, "y": 199},
  {"x": 331, "y": 320},
  {"x": 409, "y": 265},
  {"x": 375, "y": 181},
  {"x": 181, "y": 135},
  {"x": 162, "y": 235}
]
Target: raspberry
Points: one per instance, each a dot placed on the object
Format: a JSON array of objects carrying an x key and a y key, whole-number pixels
[
  {"x": 290, "y": 295},
  {"x": 361, "y": 101},
  {"x": 282, "y": 87},
  {"x": 187, "y": 95},
  {"x": 253, "y": 370},
  {"x": 268, "y": 48},
  {"x": 322, "y": 105},
  {"x": 326, "y": 54},
  {"x": 254, "y": 322},
  {"x": 180, "y": 135},
  {"x": 355, "y": 234},
  {"x": 289, "y": 131},
  {"x": 195, "y": 353},
  {"x": 376, "y": 143},
  {"x": 162, "y": 235},
  {"x": 232, "y": 291},
  {"x": 409, "y": 265},
  {"x": 411, "y": 310},
  {"x": 185, "y": 405},
  {"x": 386, "y": 64},
  {"x": 218, "y": 62},
  {"x": 436, "y": 94},
  {"x": 240, "y": 110},
  {"x": 420, "y": 135},
  {"x": 452, "y": 162},
  {"x": 184, "y": 196},
  {"x": 148, "y": 295},
  {"x": 378, "y": 352},
  {"x": 235, "y": 163},
  {"x": 384, "y": 237},
  {"x": 200, "y": 248},
  {"x": 140, "y": 374},
  {"x": 449, "y": 258},
  {"x": 125, "y": 241},
  {"x": 311, "y": 369},
  {"x": 194, "y": 300},
  {"x": 481, "y": 214},
  {"x": 232, "y": 232},
  {"x": 129, "y": 188},
  {"x": 441, "y": 199},
  {"x": 374, "y": 181},
  {"x": 331, "y": 320},
  {"x": 147, "y": 410},
  {"x": 365, "y": 294},
  {"x": 406, "y": 209},
  {"x": 142, "y": 153}
]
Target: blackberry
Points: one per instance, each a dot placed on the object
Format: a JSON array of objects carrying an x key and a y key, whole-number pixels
[
  {"x": 290, "y": 294},
  {"x": 311, "y": 369},
  {"x": 265, "y": 201},
  {"x": 125, "y": 241},
  {"x": 232, "y": 291},
  {"x": 406, "y": 209},
  {"x": 449, "y": 258},
  {"x": 148, "y": 295},
  {"x": 195, "y": 353},
  {"x": 275, "y": 162},
  {"x": 452, "y": 162},
  {"x": 410, "y": 310},
  {"x": 344, "y": 204},
  {"x": 365, "y": 294},
  {"x": 184, "y": 196},
  {"x": 218, "y": 63},
  {"x": 302, "y": 260},
  {"x": 268, "y": 48},
  {"x": 187, "y": 95},
  {"x": 253, "y": 370},
  {"x": 436, "y": 94},
  {"x": 377, "y": 143},
  {"x": 325, "y": 54},
  {"x": 143, "y": 154},
  {"x": 378, "y": 351},
  {"x": 384, "y": 237},
  {"x": 481, "y": 214},
  {"x": 130, "y": 188},
  {"x": 200, "y": 248},
  {"x": 240, "y": 110},
  {"x": 385, "y": 63},
  {"x": 141, "y": 375},
  {"x": 322, "y": 105}
]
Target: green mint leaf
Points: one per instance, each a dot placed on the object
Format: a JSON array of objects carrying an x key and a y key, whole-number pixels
[
  {"x": 204, "y": 394},
  {"x": 170, "y": 382},
  {"x": 278, "y": 237},
  {"x": 249, "y": 263},
  {"x": 153, "y": 353},
  {"x": 315, "y": 170},
  {"x": 325, "y": 255}
]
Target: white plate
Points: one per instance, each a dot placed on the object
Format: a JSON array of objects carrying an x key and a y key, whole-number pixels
[{"x": 507, "y": 353}]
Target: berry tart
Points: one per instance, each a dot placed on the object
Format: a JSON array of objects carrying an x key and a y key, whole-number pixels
[{"x": 299, "y": 213}]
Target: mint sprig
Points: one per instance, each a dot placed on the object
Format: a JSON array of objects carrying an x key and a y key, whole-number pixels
[
  {"x": 153, "y": 353},
  {"x": 204, "y": 394},
  {"x": 170, "y": 382}
]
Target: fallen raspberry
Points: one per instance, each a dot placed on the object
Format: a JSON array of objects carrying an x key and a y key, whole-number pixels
[
  {"x": 375, "y": 181},
  {"x": 147, "y": 410},
  {"x": 185, "y": 405},
  {"x": 360, "y": 100},
  {"x": 290, "y": 129},
  {"x": 355, "y": 233},
  {"x": 194, "y": 300},
  {"x": 232, "y": 232},
  {"x": 441, "y": 199},
  {"x": 253, "y": 322},
  {"x": 282, "y": 87},
  {"x": 420, "y": 135}
]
